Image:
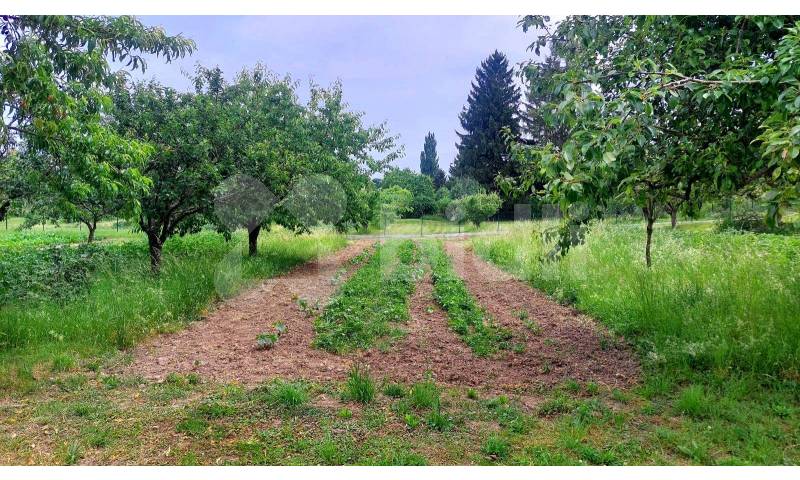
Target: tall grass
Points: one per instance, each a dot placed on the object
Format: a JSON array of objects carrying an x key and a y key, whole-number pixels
[
  {"x": 124, "y": 302},
  {"x": 711, "y": 301}
]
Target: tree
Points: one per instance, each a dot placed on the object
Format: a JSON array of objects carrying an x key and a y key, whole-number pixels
[
  {"x": 189, "y": 133},
  {"x": 420, "y": 186},
  {"x": 297, "y": 165},
  {"x": 491, "y": 115},
  {"x": 463, "y": 186},
  {"x": 393, "y": 202},
  {"x": 660, "y": 110},
  {"x": 55, "y": 80},
  {"x": 480, "y": 206},
  {"x": 429, "y": 161}
]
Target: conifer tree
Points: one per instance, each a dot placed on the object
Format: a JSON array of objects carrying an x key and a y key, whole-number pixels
[
  {"x": 429, "y": 161},
  {"x": 492, "y": 106}
]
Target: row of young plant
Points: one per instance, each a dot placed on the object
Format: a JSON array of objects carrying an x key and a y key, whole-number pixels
[
  {"x": 466, "y": 317},
  {"x": 373, "y": 301}
]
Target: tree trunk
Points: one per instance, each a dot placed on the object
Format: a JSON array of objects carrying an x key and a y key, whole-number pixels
[
  {"x": 154, "y": 246},
  {"x": 650, "y": 218},
  {"x": 91, "y": 226},
  {"x": 4, "y": 206},
  {"x": 252, "y": 238},
  {"x": 673, "y": 218}
]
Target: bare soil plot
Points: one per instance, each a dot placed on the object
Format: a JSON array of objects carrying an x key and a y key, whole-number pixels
[{"x": 222, "y": 347}]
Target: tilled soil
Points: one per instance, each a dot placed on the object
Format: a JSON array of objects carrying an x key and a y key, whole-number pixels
[
  {"x": 222, "y": 346},
  {"x": 568, "y": 343}
]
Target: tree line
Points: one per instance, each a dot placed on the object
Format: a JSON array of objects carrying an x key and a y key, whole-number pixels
[{"x": 83, "y": 142}]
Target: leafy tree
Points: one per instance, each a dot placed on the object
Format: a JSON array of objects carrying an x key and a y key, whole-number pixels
[
  {"x": 463, "y": 186},
  {"x": 420, "y": 186},
  {"x": 429, "y": 161},
  {"x": 55, "y": 79},
  {"x": 660, "y": 110},
  {"x": 190, "y": 135},
  {"x": 443, "y": 199},
  {"x": 480, "y": 206},
  {"x": 491, "y": 115},
  {"x": 393, "y": 202}
]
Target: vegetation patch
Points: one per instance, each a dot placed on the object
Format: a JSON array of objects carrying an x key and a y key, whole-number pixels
[
  {"x": 372, "y": 302},
  {"x": 466, "y": 318}
]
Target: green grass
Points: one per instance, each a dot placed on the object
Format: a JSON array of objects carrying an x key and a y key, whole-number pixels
[
  {"x": 121, "y": 302},
  {"x": 360, "y": 387},
  {"x": 373, "y": 301},
  {"x": 712, "y": 301},
  {"x": 436, "y": 225},
  {"x": 714, "y": 322},
  {"x": 466, "y": 318}
]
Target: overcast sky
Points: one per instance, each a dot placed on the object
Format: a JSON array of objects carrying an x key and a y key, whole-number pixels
[{"x": 412, "y": 72}]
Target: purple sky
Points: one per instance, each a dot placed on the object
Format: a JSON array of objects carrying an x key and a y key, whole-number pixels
[{"x": 413, "y": 72}]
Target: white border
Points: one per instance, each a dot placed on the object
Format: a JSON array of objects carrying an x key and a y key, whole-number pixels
[{"x": 397, "y": 7}]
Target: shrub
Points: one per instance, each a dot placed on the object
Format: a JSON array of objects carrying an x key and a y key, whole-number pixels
[{"x": 480, "y": 206}]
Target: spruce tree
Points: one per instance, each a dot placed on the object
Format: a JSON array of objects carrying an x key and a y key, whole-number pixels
[
  {"x": 429, "y": 161},
  {"x": 492, "y": 105}
]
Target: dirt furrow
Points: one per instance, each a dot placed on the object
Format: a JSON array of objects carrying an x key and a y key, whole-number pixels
[
  {"x": 222, "y": 345},
  {"x": 560, "y": 342}
]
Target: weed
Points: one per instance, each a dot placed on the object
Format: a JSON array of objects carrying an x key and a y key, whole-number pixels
[
  {"x": 472, "y": 394},
  {"x": 62, "y": 362},
  {"x": 360, "y": 314},
  {"x": 694, "y": 402},
  {"x": 266, "y": 341},
  {"x": 290, "y": 395},
  {"x": 439, "y": 420},
  {"x": 424, "y": 395},
  {"x": 360, "y": 387},
  {"x": 394, "y": 390},
  {"x": 495, "y": 447},
  {"x": 344, "y": 413},
  {"x": 192, "y": 426},
  {"x": 73, "y": 452},
  {"x": 468, "y": 320},
  {"x": 412, "y": 421}
]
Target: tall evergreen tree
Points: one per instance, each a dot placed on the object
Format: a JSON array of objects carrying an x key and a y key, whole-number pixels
[
  {"x": 492, "y": 105},
  {"x": 429, "y": 161}
]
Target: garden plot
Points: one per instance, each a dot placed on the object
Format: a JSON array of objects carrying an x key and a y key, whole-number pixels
[{"x": 386, "y": 315}]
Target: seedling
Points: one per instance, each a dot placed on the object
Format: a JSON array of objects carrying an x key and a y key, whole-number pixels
[
  {"x": 280, "y": 328},
  {"x": 265, "y": 341}
]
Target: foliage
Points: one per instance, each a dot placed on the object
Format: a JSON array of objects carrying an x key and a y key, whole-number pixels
[
  {"x": 479, "y": 207},
  {"x": 463, "y": 186},
  {"x": 465, "y": 316},
  {"x": 420, "y": 186},
  {"x": 429, "y": 161},
  {"x": 56, "y": 78},
  {"x": 114, "y": 302},
  {"x": 374, "y": 298},
  {"x": 393, "y": 202},
  {"x": 490, "y": 116},
  {"x": 289, "y": 395},
  {"x": 188, "y": 132},
  {"x": 666, "y": 117}
]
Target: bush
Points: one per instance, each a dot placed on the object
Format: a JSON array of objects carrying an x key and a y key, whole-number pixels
[{"x": 480, "y": 206}]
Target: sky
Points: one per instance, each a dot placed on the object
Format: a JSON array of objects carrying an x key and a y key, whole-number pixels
[{"x": 412, "y": 72}]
